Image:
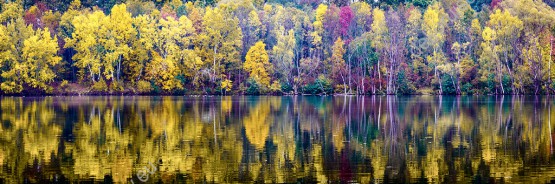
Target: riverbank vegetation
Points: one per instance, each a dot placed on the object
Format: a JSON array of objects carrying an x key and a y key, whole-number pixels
[{"x": 277, "y": 47}]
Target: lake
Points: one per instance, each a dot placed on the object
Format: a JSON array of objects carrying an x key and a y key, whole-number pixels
[{"x": 381, "y": 139}]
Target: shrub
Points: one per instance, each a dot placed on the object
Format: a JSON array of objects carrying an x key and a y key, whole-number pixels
[
  {"x": 100, "y": 86},
  {"x": 340, "y": 88},
  {"x": 466, "y": 89},
  {"x": 405, "y": 86},
  {"x": 286, "y": 87},
  {"x": 322, "y": 85},
  {"x": 116, "y": 86},
  {"x": 64, "y": 84},
  {"x": 144, "y": 86},
  {"x": 253, "y": 87},
  {"x": 447, "y": 84},
  {"x": 275, "y": 88}
]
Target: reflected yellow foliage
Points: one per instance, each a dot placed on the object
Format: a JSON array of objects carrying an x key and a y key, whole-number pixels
[
  {"x": 257, "y": 124},
  {"x": 278, "y": 139}
]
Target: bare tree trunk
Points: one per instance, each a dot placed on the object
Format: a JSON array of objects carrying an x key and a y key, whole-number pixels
[
  {"x": 214, "y": 64},
  {"x": 438, "y": 80},
  {"x": 379, "y": 75},
  {"x": 550, "y": 60},
  {"x": 92, "y": 74},
  {"x": 349, "y": 69},
  {"x": 119, "y": 67}
]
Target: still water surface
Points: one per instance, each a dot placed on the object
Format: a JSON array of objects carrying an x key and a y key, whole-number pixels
[{"x": 378, "y": 139}]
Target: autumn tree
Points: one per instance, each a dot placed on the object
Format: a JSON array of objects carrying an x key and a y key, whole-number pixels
[
  {"x": 395, "y": 50},
  {"x": 39, "y": 59},
  {"x": 220, "y": 41},
  {"x": 379, "y": 38},
  {"x": 257, "y": 64},
  {"x": 318, "y": 32},
  {"x": 507, "y": 30},
  {"x": 490, "y": 67},
  {"x": 14, "y": 31},
  {"x": 85, "y": 40},
  {"x": 283, "y": 54},
  {"x": 339, "y": 71},
  {"x": 433, "y": 26},
  {"x": 119, "y": 37}
]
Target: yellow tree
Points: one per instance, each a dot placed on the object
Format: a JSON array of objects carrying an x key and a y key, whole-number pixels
[
  {"x": 507, "y": 29},
  {"x": 163, "y": 72},
  {"x": 85, "y": 39},
  {"x": 134, "y": 66},
  {"x": 257, "y": 63},
  {"x": 283, "y": 53},
  {"x": 65, "y": 28},
  {"x": 170, "y": 46},
  {"x": 252, "y": 30},
  {"x": 39, "y": 58},
  {"x": 318, "y": 29},
  {"x": 119, "y": 33},
  {"x": 220, "y": 40},
  {"x": 536, "y": 17},
  {"x": 5, "y": 45},
  {"x": 339, "y": 71},
  {"x": 7, "y": 59},
  {"x": 489, "y": 64},
  {"x": 433, "y": 26},
  {"x": 13, "y": 31},
  {"x": 226, "y": 85},
  {"x": 379, "y": 36},
  {"x": 530, "y": 73},
  {"x": 362, "y": 12}
]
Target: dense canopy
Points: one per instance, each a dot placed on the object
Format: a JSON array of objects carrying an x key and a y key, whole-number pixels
[{"x": 277, "y": 47}]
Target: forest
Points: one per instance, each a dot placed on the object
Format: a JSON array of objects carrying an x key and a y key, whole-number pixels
[{"x": 277, "y": 47}]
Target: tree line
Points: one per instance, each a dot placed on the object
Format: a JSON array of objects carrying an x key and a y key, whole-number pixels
[{"x": 277, "y": 47}]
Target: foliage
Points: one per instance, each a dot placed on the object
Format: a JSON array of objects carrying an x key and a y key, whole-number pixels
[
  {"x": 226, "y": 85},
  {"x": 322, "y": 85},
  {"x": 405, "y": 86},
  {"x": 144, "y": 86},
  {"x": 313, "y": 47},
  {"x": 257, "y": 64},
  {"x": 275, "y": 88},
  {"x": 99, "y": 87},
  {"x": 253, "y": 87},
  {"x": 39, "y": 59}
]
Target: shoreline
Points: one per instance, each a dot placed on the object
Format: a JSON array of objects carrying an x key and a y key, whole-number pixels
[{"x": 245, "y": 95}]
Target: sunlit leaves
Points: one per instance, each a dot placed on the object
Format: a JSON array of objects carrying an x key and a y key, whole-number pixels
[
  {"x": 85, "y": 39},
  {"x": 163, "y": 71},
  {"x": 319, "y": 24},
  {"x": 39, "y": 58},
  {"x": 220, "y": 40},
  {"x": 283, "y": 53},
  {"x": 257, "y": 63},
  {"x": 226, "y": 84},
  {"x": 379, "y": 29},
  {"x": 119, "y": 35},
  {"x": 339, "y": 72}
]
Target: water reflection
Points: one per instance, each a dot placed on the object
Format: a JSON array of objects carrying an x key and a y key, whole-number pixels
[{"x": 278, "y": 139}]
